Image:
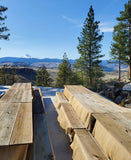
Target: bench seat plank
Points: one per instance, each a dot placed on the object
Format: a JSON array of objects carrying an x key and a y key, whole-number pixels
[
  {"x": 68, "y": 119},
  {"x": 85, "y": 147},
  {"x": 60, "y": 99},
  {"x": 113, "y": 133}
]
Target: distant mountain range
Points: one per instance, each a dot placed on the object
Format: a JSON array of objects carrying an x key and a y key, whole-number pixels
[{"x": 50, "y": 63}]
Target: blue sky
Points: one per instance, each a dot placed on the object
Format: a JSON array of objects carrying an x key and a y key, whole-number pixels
[{"x": 48, "y": 28}]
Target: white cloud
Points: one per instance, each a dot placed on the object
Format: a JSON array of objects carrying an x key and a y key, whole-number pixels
[
  {"x": 106, "y": 29},
  {"x": 69, "y": 19},
  {"x": 106, "y": 26}
]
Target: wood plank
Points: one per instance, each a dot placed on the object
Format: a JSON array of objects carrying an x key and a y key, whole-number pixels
[
  {"x": 17, "y": 152},
  {"x": 113, "y": 133},
  {"x": 60, "y": 99},
  {"x": 17, "y": 96},
  {"x": 92, "y": 101},
  {"x": 21, "y": 86},
  {"x": 85, "y": 147},
  {"x": 7, "y": 97},
  {"x": 23, "y": 128},
  {"x": 68, "y": 119},
  {"x": 3, "y": 107},
  {"x": 7, "y": 122}
]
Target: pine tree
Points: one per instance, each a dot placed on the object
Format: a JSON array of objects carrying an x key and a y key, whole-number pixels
[
  {"x": 119, "y": 46},
  {"x": 4, "y": 75},
  {"x": 89, "y": 49},
  {"x": 13, "y": 74},
  {"x": 125, "y": 24},
  {"x": 3, "y": 28},
  {"x": 43, "y": 77},
  {"x": 65, "y": 73}
]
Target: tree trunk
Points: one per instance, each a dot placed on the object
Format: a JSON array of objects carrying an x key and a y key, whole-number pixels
[{"x": 119, "y": 79}]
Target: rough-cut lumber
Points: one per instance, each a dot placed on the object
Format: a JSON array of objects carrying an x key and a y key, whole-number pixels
[
  {"x": 16, "y": 130},
  {"x": 68, "y": 119},
  {"x": 86, "y": 102},
  {"x": 23, "y": 128},
  {"x": 85, "y": 147},
  {"x": 60, "y": 99},
  {"x": 113, "y": 133},
  {"x": 17, "y": 96},
  {"x": 7, "y": 96},
  {"x": 3, "y": 107},
  {"x": 7, "y": 121},
  {"x": 16, "y": 152},
  {"x": 21, "y": 86}
]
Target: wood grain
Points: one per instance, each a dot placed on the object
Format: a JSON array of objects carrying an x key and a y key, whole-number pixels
[
  {"x": 85, "y": 147},
  {"x": 7, "y": 122},
  {"x": 23, "y": 128}
]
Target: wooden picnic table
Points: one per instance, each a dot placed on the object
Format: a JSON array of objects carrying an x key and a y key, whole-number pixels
[{"x": 16, "y": 127}]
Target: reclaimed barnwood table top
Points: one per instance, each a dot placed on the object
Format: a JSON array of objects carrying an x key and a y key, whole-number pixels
[{"x": 16, "y": 126}]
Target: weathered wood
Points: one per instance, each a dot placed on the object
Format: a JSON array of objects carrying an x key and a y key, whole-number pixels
[
  {"x": 16, "y": 152},
  {"x": 3, "y": 107},
  {"x": 7, "y": 97},
  {"x": 113, "y": 133},
  {"x": 60, "y": 99},
  {"x": 7, "y": 121},
  {"x": 21, "y": 86},
  {"x": 17, "y": 96},
  {"x": 86, "y": 102},
  {"x": 23, "y": 128},
  {"x": 68, "y": 119},
  {"x": 85, "y": 147}
]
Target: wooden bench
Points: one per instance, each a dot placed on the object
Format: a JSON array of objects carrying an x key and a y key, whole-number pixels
[
  {"x": 69, "y": 120},
  {"x": 60, "y": 99},
  {"x": 85, "y": 147},
  {"x": 16, "y": 126},
  {"x": 113, "y": 133}
]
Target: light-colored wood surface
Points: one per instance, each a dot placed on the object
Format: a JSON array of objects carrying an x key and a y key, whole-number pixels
[
  {"x": 3, "y": 107},
  {"x": 7, "y": 122},
  {"x": 7, "y": 97},
  {"x": 23, "y": 128},
  {"x": 113, "y": 133},
  {"x": 17, "y": 96},
  {"x": 60, "y": 99},
  {"x": 68, "y": 119},
  {"x": 16, "y": 116},
  {"x": 86, "y": 102},
  {"x": 85, "y": 147},
  {"x": 21, "y": 86}
]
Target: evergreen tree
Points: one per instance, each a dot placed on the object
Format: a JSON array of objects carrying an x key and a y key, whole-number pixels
[
  {"x": 89, "y": 49},
  {"x": 65, "y": 73},
  {"x": 125, "y": 27},
  {"x": 3, "y": 28},
  {"x": 13, "y": 74},
  {"x": 43, "y": 77},
  {"x": 4, "y": 75},
  {"x": 119, "y": 46}
]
